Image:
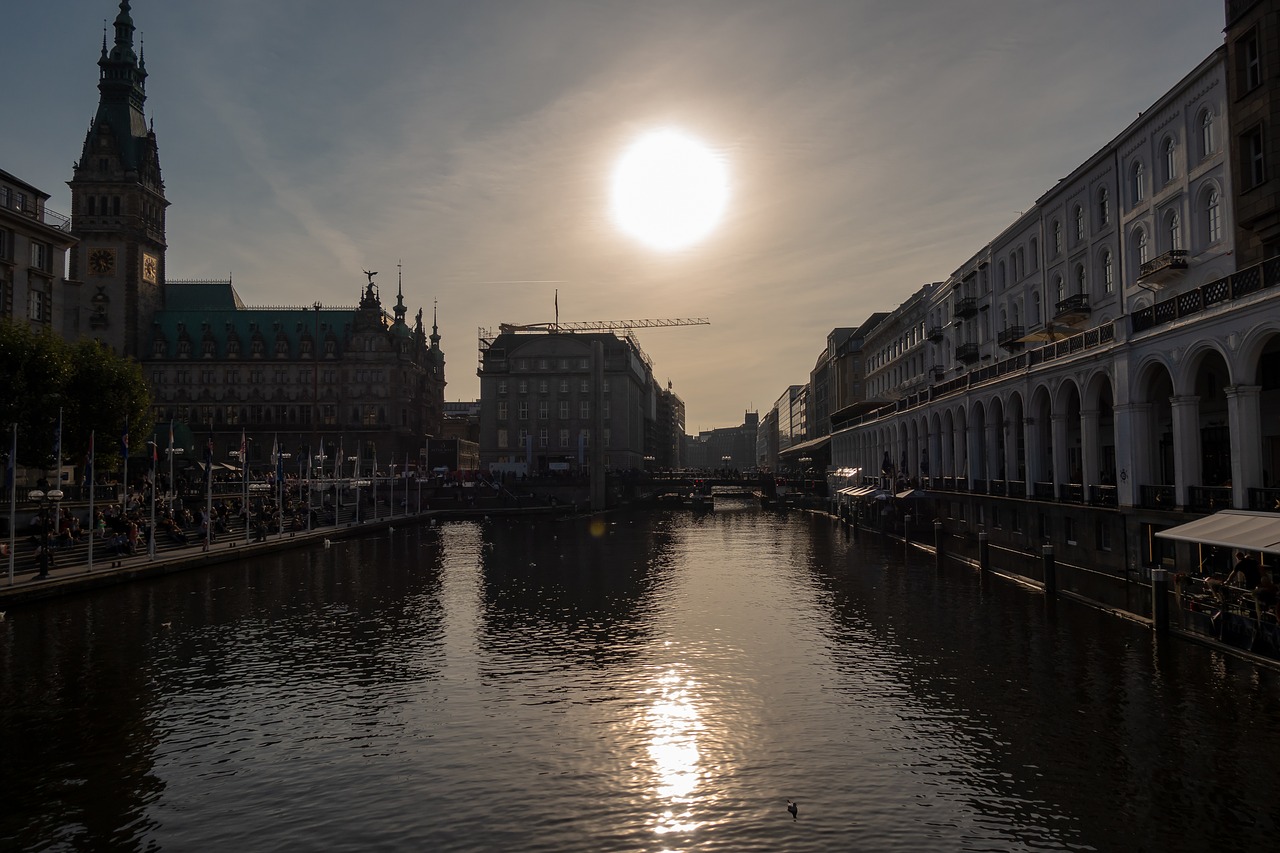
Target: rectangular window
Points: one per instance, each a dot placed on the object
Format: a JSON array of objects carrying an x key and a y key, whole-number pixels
[
  {"x": 564, "y": 410},
  {"x": 606, "y": 437},
  {"x": 36, "y": 308},
  {"x": 502, "y": 386},
  {"x": 523, "y": 387},
  {"x": 1069, "y": 529},
  {"x": 583, "y": 364},
  {"x": 40, "y": 256},
  {"x": 524, "y": 411},
  {"x": 584, "y": 410},
  {"x": 585, "y": 387},
  {"x": 1252, "y": 151},
  {"x": 564, "y": 386},
  {"x": 542, "y": 410},
  {"x": 542, "y": 437},
  {"x": 564, "y": 438},
  {"x": 1104, "y": 536},
  {"x": 502, "y": 438},
  {"x": 606, "y": 386},
  {"x": 1250, "y": 61},
  {"x": 542, "y": 364},
  {"x": 1044, "y": 525},
  {"x": 604, "y": 409},
  {"x": 542, "y": 386},
  {"x": 5, "y": 242},
  {"x": 329, "y": 414},
  {"x": 524, "y": 438},
  {"x": 502, "y": 410}
]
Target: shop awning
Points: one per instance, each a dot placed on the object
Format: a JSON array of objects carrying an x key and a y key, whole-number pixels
[
  {"x": 847, "y": 491},
  {"x": 1231, "y": 528}
]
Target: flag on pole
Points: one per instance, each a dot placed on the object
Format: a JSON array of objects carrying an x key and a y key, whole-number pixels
[
  {"x": 57, "y": 442},
  {"x": 171, "y": 434},
  {"x": 244, "y": 451},
  {"x": 208, "y": 458},
  {"x": 557, "y": 309},
  {"x": 155, "y": 455},
  {"x": 124, "y": 440}
]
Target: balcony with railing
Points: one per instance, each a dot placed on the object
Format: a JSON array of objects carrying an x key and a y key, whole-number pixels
[
  {"x": 1011, "y": 338},
  {"x": 1209, "y": 498},
  {"x": 1156, "y": 497},
  {"x": 968, "y": 353},
  {"x": 29, "y": 208},
  {"x": 1103, "y": 496},
  {"x": 1238, "y": 285},
  {"x": 1264, "y": 500},
  {"x": 1163, "y": 267},
  {"x": 934, "y": 333},
  {"x": 939, "y": 372},
  {"x": 1073, "y": 309},
  {"x": 967, "y": 306}
]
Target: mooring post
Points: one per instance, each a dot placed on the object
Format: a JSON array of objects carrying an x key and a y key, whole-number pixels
[
  {"x": 939, "y": 541},
  {"x": 1050, "y": 570},
  {"x": 1160, "y": 599},
  {"x": 984, "y": 551}
]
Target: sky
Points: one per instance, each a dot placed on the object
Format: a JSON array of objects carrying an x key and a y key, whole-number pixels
[{"x": 871, "y": 146}]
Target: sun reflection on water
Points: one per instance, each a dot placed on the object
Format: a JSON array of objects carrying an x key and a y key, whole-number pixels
[{"x": 674, "y": 724}]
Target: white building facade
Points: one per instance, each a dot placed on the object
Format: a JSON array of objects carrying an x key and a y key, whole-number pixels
[{"x": 1107, "y": 358}]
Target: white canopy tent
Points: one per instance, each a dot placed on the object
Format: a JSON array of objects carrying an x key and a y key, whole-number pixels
[{"x": 1231, "y": 528}]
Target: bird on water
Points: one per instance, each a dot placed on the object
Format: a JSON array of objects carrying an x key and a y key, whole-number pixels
[{"x": 794, "y": 809}]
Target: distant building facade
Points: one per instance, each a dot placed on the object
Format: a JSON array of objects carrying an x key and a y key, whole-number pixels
[
  {"x": 541, "y": 405},
  {"x": 725, "y": 447}
]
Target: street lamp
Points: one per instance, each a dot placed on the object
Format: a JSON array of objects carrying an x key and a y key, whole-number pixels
[{"x": 45, "y": 499}]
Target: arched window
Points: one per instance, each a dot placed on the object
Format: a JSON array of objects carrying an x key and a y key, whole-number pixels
[
  {"x": 1035, "y": 254},
  {"x": 1082, "y": 280},
  {"x": 1079, "y": 217},
  {"x": 1140, "y": 248},
  {"x": 1057, "y": 238},
  {"x": 1059, "y": 288},
  {"x": 1035, "y": 308},
  {"x": 1207, "y": 141},
  {"x": 1173, "y": 230},
  {"x": 1108, "y": 273},
  {"x": 1137, "y": 181},
  {"x": 1212, "y": 216},
  {"x": 1017, "y": 314},
  {"x": 1104, "y": 207},
  {"x": 1170, "y": 160},
  {"x": 1000, "y": 281}
]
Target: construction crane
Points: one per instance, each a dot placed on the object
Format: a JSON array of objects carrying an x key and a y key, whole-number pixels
[{"x": 626, "y": 327}]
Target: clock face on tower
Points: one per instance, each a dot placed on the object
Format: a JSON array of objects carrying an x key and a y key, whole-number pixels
[
  {"x": 149, "y": 268},
  {"x": 102, "y": 261}
]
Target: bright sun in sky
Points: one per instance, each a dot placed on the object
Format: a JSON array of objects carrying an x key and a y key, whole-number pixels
[{"x": 669, "y": 190}]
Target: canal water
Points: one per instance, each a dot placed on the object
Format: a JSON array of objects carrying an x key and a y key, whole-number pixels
[{"x": 652, "y": 682}]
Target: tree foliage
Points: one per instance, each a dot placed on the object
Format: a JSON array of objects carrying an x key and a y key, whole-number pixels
[{"x": 94, "y": 388}]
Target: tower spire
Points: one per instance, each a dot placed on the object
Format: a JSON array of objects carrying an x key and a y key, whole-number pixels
[{"x": 435, "y": 330}]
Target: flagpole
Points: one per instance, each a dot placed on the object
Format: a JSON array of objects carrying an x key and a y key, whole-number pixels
[
  {"x": 208, "y": 494},
  {"x": 172, "y": 488},
  {"x": 11, "y": 470},
  {"x": 58, "y": 483},
  {"x": 92, "y": 526},
  {"x": 244, "y": 476},
  {"x": 124, "y": 444},
  {"x": 151, "y": 530}
]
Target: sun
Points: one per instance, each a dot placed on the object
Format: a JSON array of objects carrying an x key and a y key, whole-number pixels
[{"x": 669, "y": 190}]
